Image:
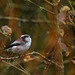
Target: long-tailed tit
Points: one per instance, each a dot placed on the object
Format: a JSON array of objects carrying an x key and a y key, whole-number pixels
[{"x": 20, "y": 45}]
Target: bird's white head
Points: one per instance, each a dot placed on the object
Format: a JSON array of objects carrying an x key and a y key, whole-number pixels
[{"x": 26, "y": 38}]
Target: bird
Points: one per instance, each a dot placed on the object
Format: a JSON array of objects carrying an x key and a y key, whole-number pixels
[{"x": 20, "y": 45}]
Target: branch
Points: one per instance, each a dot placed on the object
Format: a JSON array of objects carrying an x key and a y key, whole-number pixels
[
  {"x": 9, "y": 58},
  {"x": 46, "y": 58},
  {"x": 23, "y": 20},
  {"x": 16, "y": 67},
  {"x": 32, "y": 53},
  {"x": 54, "y": 4}
]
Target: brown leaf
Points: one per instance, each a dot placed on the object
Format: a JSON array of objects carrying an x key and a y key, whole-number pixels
[
  {"x": 65, "y": 48},
  {"x": 61, "y": 17},
  {"x": 64, "y": 8},
  {"x": 63, "y": 13},
  {"x": 29, "y": 58},
  {"x": 61, "y": 32},
  {"x": 6, "y": 30}
]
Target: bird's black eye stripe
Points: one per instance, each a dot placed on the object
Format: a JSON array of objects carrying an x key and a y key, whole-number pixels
[
  {"x": 23, "y": 38},
  {"x": 26, "y": 36}
]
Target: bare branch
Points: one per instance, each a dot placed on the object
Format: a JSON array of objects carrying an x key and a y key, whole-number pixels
[
  {"x": 32, "y": 53},
  {"x": 16, "y": 67},
  {"x": 54, "y": 4},
  {"x": 22, "y": 20}
]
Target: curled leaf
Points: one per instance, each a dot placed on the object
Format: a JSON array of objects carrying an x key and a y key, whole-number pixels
[
  {"x": 64, "y": 8},
  {"x": 29, "y": 58},
  {"x": 63, "y": 13},
  {"x": 61, "y": 32},
  {"x": 73, "y": 59},
  {"x": 65, "y": 48},
  {"x": 6, "y": 30},
  {"x": 61, "y": 17}
]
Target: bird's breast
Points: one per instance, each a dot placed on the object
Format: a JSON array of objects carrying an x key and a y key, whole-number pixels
[{"x": 20, "y": 49}]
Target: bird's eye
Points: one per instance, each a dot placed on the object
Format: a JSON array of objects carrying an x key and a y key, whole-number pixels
[{"x": 26, "y": 36}]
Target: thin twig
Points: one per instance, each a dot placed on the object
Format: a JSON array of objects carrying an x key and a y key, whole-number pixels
[
  {"x": 16, "y": 67},
  {"x": 45, "y": 58},
  {"x": 54, "y": 4},
  {"x": 9, "y": 58},
  {"x": 41, "y": 7},
  {"x": 23, "y": 19},
  {"x": 4, "y": 58}
]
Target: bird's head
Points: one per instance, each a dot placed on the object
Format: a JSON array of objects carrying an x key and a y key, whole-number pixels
[{"x": 26, "y": 38}]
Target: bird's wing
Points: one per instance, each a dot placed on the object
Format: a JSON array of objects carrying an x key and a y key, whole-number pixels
[
  {"x": 16, "y": 43},
  {"x": 11, "y": 45}
]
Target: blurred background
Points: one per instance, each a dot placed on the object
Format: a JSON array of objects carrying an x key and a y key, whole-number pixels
[{"x": 38, "y": 19}]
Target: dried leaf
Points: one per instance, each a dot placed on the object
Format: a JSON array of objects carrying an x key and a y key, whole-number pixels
[
  {"x": 73, "y": 59},
  {"x": 6, "y": 30},
  {"x": 65, "y": 48},
  {"x": 64, "y": 8},
  {"x": 29, "y": 58},
  {"x": 63, "y": 13},
  {"x": 61, "y": 32},
  {"x": 61, "y": 17}
]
